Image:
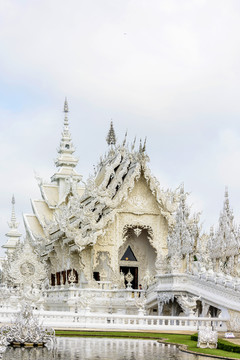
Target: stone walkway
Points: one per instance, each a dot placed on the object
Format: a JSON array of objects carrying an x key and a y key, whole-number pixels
[{"x": 235, "y": 340}]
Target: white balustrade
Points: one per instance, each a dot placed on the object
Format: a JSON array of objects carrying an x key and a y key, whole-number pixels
[
  {"x": 67, "y": 297},
  {"x": 67, "y": 319}
]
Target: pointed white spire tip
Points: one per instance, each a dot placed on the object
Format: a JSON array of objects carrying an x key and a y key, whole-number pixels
[{"x": 66, "y": 109}]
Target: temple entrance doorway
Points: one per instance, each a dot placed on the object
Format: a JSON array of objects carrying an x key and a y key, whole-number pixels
[
  {"x": 134, "y": 272},
  {"x": 137, "y": 255}
]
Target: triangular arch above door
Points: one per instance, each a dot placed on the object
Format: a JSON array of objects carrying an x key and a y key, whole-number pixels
[{"x": 129, "y": 255}]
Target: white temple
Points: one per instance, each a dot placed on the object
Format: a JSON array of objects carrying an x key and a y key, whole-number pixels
[{"x": 116, "y": 238}]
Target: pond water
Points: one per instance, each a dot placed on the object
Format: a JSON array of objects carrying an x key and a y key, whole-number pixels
[{"x": 101, "y": 348}]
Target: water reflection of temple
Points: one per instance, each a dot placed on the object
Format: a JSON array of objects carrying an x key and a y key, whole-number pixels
[
  {"x": 99, "y": 348},
  {"x": 27, "y": 354},
  {"x": 92, "y": 348}
]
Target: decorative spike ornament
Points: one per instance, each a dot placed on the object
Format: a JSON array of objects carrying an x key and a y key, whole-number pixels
[
  {"x": 144, "y": 145},
  {"x": 133, "y": 144},
  {"x": 111, "y": 137},
  {"x": 125, "y": 139},
  {"x": 140, "y": 146}
]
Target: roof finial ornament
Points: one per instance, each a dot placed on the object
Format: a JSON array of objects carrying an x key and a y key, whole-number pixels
[
  {"x": 144, "y": 145},
  {"x": 226, "y": 201},
  {"x": 111, "y": 137},
  {"x": 125, "y": 139},
  {"x": 140, "y": 146},
  {"x": 133, "y": 144},
  {"x": 226, "y": 192},
  {"x": 182, "y": 188}
]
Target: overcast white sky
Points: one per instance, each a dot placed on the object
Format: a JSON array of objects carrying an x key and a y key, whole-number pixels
[{"x": 165, "y": 69}]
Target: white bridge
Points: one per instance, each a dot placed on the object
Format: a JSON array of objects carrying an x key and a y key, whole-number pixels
[{"x": 217, "y": 291}]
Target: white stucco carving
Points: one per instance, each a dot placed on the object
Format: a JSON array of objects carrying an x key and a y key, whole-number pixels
[
  {"x": 24, "y": 266},
  {"x": 207, "y": 338},
  {"x": 188, "y": 304}
]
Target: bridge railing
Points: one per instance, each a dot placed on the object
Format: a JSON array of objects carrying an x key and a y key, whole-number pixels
[{"x": 67, "y": 319}]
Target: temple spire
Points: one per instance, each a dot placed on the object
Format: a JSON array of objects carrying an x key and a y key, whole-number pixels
[
  {"x": 225, "y": 241},
  {"x": 182, "y": 237},
  {"x": 66, "y": 148},
  {"x": 65, "y": 109},
  {"x": 65, "y": 161},
  {"x": 13, "y": 217},
  {"x": 13, "y": 235},
  {"x": 111, "y": 137},
  {"x": 226, "y": 200}
]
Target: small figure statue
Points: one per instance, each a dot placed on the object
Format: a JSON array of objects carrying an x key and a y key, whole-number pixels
[{"x": 207, "y": 338}]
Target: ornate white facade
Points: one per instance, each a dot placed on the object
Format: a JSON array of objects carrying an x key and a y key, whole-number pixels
[{"x": 121, "y": 243}]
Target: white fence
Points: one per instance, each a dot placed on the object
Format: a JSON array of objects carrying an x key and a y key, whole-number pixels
[{"x": 72, "y": 320}]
